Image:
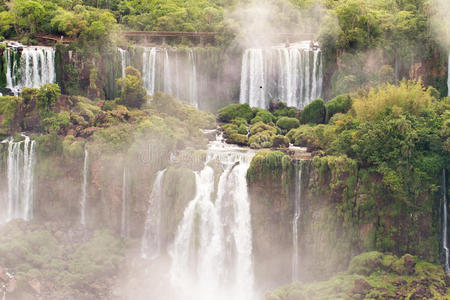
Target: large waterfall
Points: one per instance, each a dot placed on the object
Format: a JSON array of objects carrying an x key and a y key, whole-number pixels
[
  {"x": 445, "y": 223},
  {"x": 297, "y": 214},
  {"x": 31, "y": 66},
  {"x": 151, "y": 241},
  {"x": 20, "y": 176},
  {"x": 292, "y": 74},
  {"x": 212, "y": 251},
  {"x": 84, "y": 184}
]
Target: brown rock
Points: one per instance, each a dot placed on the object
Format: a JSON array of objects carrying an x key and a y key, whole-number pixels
[
  {"x": 3, "y": 276},
  {"x": 362, "y": 287},
  {"x": 11, "y": 287},
  {"x": 36, "y": 285},
  {"x": 422, "y": 292}
]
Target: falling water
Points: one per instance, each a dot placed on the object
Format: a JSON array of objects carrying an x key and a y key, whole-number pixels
[
  {"x": 445, "y": 222},
  {"x": 84, "y": 188},
  {"x": 20, "y": 174},
  {"x": 448, "y": 76},
  {"x": 149, "y": 69},
  {"x": 32, "y": 67},
  {"x": 151, "y": 243},
  {"x": 297, "y": 213},
  {"x": 171, "y": 71},
  {"x": 124, "y": 60},
  {"x": 212, "y": 251},
  {"x": 124, "y": 230},
  {"x": 292, "y": 74}
]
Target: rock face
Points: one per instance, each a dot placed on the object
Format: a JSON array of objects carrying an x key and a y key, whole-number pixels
[{"x": 344, "y": 212}]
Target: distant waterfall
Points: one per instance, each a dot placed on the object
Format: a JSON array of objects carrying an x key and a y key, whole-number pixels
[
  {"x": 297, "y": 214},
  {"x": 83, "y": 199},
  {"x": 30, "y": 67},
  {"x": 292, "y": 74},
  {"x": 212, "y": 252},
  {"x": 171, "y": 71},
  {"x": 124, "y": 60},
  {"x": 124, "y": 229},
  {"x": 151, "y": 243},
  {"x": 448, "y": 76},
  {"x": 20, "y": 174},
  {"x": 445, "y": 223}
]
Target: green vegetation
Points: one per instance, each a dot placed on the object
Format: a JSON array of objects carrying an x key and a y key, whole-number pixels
[
  {"x": 374, "y": 275},
  {"x": 132, "y": 94},
  {"x": 313, "y": 113}
]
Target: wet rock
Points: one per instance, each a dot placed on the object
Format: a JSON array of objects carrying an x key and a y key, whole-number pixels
[{"x": 362, "y": 287}]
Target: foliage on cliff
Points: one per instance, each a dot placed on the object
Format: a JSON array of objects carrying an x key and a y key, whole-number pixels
[{"x": 374, "y": 275}]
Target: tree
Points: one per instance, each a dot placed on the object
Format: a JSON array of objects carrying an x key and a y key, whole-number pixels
[{"x": 133, "y": 94}]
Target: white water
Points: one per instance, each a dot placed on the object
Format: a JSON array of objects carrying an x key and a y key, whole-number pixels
[
  {"x": 20, "y": 176},
  {"x": 151, "y": 242},
  {"x": 292, "y": 74},
  {"x": 297, "y": 214},
  {"x": 212, "y": 251},
  {"x": 124, "y": 229},
  {"x": 448, "y": 75},
  {"x": 124, "y": 60},
  {"x": 444, "y": 223},
  {"x": 36, "y": 67},
  {"x": 171, "y": 71},
  {"x": 83, "y": 199}
]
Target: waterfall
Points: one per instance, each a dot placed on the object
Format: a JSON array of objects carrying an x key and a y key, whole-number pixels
[
  {"x": 124, "y": 60},
  {"x": 297, "y": 214},
  {"x": 30, "y": 67},
  {"x": 292, "y": 74},
  {"x": 20, "y": 175},
  {"x": 84, "y": 188},
  {"x": 445, "y": 222},
  {"x": 124, "y": 230},
  {"x": 212, "y": 251},
  {"x": 448, "y": 76},
  {"x": 193, "y": 93},
  {"x": 151, "y": 243},
  {"x": 172, "y": 71}
]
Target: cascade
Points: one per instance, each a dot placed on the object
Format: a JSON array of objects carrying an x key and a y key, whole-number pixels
[
  {"x": 448, "y": 76},
  {"x": 20, "y": 176},
  {"x": 292, "y": 74},
  {"x": 445, "y": 223},
  {"x": 297, "y": 214},
  {"x": 171, "y": 71},
  {"x": 124, "y": 60},
  {"x": 83, "y": 199},
  {"x": 124, "y": 230},
  {"x": 212, "y": 251},
  {"x": 151, "y": 243},
  {"x": 32, "y": 66}
]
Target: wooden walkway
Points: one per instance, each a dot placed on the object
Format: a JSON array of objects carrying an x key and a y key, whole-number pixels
[{"x": 54, "y": 38}]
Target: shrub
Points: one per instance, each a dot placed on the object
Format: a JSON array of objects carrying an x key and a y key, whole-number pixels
[
  {"x": 313, "y": 113},
  {"x": 47, "y": 96},
  {"x": 260, "y": 126},
  {"x": 133, "y": 93},
  {"x": 265, "y": 116},
  {"x": 288, "y": 123},
  {"x": 232, "y": 111},
  {"x": 339, "y": 104},
  {"x": 239, "y": 139},
  {"x": 280, "y": 141},
  {"x": 262, "y": 139}
]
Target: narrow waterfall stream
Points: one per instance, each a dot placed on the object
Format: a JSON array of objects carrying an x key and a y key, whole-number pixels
[
  {"x": 445, "y": 223},
  {"x": 124, "y": 229},
  {"x": 84, "y": 184},
  {"x": 124, "y": 60},
  {"x": 29, "y": 66},
  {"x": 297, "y": 214},
  {"x": 151, "y": 240},
  {"x": 212, "y": 251},
  {"x": 292, "y": 74},
  {"x": 448, "y": 76},
  {"x": 20, "y": 175}
]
